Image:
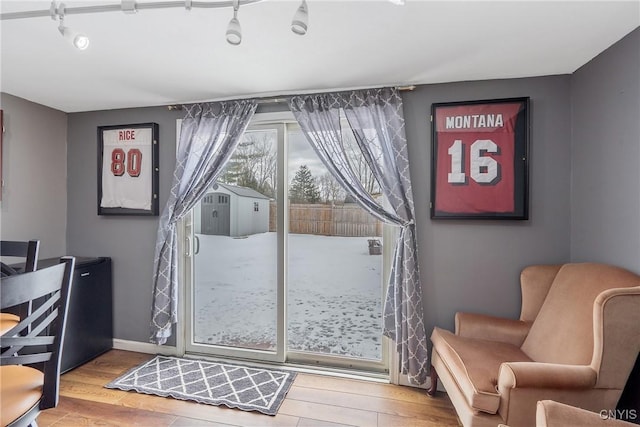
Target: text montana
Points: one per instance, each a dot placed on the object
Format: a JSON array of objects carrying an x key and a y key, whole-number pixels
[{"x": 474, "y": 121}]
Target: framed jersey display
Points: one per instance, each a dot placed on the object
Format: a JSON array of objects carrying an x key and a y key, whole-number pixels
[
  {"x": 480, "y": 159},
  {"x": 128, "y": 169}
]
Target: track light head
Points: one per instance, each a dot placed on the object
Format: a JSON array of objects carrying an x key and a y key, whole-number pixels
[
  {"x": 234, "y": 31},
  {"x": 78, "y": 40},
  {"x": 300, "y": 21}
]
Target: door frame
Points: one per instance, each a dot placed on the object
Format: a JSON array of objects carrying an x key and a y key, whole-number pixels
[{"x": 332, "y": 363}]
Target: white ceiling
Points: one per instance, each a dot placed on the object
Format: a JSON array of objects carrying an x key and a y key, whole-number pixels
[{"x": 160, "y": 57}]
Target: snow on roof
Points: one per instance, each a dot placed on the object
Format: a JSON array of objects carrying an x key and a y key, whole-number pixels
[{"x": 241, "y": 191}]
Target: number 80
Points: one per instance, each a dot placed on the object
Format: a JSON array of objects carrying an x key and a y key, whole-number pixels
[{"x": 133, "y": 160}]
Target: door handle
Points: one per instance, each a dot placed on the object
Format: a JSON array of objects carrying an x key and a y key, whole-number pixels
[{"x": 196, "y": 240}]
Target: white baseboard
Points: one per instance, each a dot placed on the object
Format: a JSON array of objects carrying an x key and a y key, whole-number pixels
[{"x": 144, "y": 347}]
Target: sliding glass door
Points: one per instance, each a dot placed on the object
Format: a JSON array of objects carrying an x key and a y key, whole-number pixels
[
  {"x": 284, "y": 266},
  {"x": 236, "y": 302}
]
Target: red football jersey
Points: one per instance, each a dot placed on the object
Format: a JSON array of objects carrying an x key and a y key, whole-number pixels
[{"x": 475, "y": 146}]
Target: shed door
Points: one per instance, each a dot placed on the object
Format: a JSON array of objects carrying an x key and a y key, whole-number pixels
[{"x": 215, "y": 214}]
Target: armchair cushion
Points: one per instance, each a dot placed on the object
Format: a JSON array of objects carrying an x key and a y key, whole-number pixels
[{"x": 475, "y": 363}]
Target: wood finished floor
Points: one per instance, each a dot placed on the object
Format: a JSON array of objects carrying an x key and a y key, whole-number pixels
[{"x": 313, "y": 401}]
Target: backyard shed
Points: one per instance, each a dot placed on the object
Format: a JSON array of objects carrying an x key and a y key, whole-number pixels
[{"x": 229, "y": 210}]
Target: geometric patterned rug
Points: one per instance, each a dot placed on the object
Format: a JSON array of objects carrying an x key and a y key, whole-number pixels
[{"x": 235, "y": 386}]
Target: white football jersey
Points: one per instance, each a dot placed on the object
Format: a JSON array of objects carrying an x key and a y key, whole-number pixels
[{"x": 126, "y": 168}]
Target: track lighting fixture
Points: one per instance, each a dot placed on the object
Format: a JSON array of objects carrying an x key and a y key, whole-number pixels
[
  {"x": 234, "y": 31},
  {"x": 299, "y": 23},
  {"x": 78, "y": 40},
  {"x": 300, "y": 19}
]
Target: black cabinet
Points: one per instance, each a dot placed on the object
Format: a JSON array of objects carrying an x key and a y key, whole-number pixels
[{"x": 89, "y": 331}]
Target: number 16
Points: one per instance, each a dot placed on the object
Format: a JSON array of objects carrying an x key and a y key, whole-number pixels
[{"x": 484, "y": 169}]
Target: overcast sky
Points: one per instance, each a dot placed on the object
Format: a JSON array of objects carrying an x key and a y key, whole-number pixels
[{"x": 301, "y": 153}]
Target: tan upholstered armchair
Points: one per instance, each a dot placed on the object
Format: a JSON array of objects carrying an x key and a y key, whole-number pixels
[
  {"x": 576, "y": 342},
  {"x": 554, "y": 414}
]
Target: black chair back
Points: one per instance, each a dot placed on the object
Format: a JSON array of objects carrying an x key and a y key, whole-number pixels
[
  {"x": 37, "y": 339},
  {"x": 27, "y": 250}
]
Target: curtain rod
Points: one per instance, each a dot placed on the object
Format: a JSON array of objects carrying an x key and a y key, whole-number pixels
[{"x": 278, "y": 99}]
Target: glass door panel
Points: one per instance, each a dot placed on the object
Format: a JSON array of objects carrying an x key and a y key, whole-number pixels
[
  {"x": 235, "y": 284},
  {"x": 334, "y": 285},
  {"x": 235, "y": 291}
]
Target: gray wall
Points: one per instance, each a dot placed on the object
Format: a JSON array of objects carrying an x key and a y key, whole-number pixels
[
  {"x": 605, "y": 189},
  {"x": 128, "y": 240},
  {"x": 466, "y": 265},
  {"x": 34, "y": 171},
  {"x": 475, "y": 265}
]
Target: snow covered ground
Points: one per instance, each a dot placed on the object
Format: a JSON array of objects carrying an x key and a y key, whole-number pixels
[{"x": 334, "y": 298}]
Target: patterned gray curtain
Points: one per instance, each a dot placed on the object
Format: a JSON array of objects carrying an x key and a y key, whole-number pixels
[
  {"x": 210, "y": 133},
  {"x": 377, "y": 121}
]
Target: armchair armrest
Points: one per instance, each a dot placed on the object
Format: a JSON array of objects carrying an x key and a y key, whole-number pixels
[
  {"x": 554, "y": 414},
  {"x": 545, "y": 375},
  {"x": 492, "y": 328}
]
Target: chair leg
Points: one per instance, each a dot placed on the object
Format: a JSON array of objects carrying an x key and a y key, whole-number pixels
[{"x": 434, "y": 382}]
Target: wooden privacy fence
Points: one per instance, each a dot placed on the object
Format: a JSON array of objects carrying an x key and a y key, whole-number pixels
[{"x": 345, "y": 220}]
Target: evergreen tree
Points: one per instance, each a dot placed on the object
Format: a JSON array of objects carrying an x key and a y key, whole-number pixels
[{"x": 303, "y": 187}]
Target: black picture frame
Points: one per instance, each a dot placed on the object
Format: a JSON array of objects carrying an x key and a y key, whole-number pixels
[
  {"x": 480, "y": 159},
  {"x": 129, "y": 169}
]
